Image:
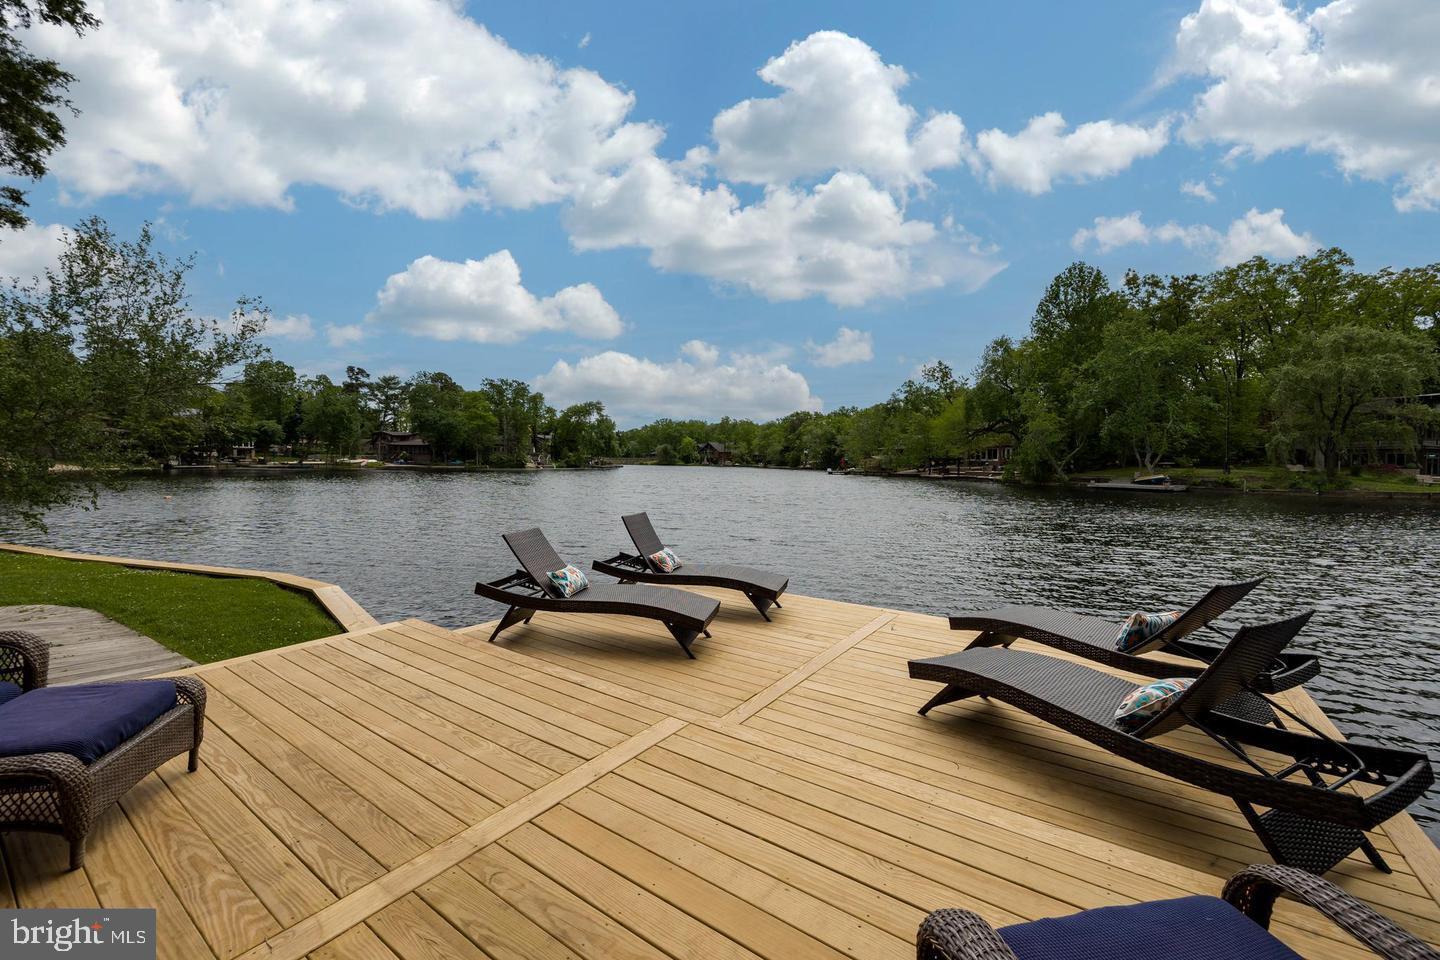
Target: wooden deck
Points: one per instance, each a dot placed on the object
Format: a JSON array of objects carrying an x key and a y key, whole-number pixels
[
  {"x": 580, "y": 789},
  {"x": 87, "y": 647}
]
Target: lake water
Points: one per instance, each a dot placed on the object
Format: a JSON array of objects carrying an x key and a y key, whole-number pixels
[{"x": 413, "y": 545}]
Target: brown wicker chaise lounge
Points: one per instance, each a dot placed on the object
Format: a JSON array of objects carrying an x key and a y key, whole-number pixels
[
  {"x": 762, "y": 588},
  {"x": 60, "y": 792},
  {"x": 1310, "y": 823},
  {"x": 1233, "y": 926},
  {"x": 1095, "y": 638},
  {"x": 529, "y": 590}
]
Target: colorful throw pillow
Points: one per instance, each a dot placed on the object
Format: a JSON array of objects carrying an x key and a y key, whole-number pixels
[
  {"x": 1139, "y": 627},
  {"x": 1142, "y": 703},
  {"x": 569, "y": 580},
  {"x": 665, "y": 560}
]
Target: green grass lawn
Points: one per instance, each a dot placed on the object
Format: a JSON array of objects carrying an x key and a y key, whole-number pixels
[{"x": 203, "y": 618}]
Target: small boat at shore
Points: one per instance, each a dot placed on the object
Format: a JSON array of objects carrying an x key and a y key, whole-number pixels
[{"x": 1154, "y": 483}]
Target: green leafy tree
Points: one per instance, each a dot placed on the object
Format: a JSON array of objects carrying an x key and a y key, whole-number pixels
[
  {"x": 477, "y": 424},
  {"x": 34, "y": 96},
  {"x": 1343, "y": 389},
  {"x": 1140, "y": 385},
  {"x": 332, "y": 417},
  {"x": 582, "y": 432},
  {"x": 102, "y": 364}
]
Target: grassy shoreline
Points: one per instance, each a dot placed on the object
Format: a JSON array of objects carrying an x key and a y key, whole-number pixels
[{"x": 203, "y": 618}]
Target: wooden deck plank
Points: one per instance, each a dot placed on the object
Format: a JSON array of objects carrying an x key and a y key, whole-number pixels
[{"x": 406, "y": 792}]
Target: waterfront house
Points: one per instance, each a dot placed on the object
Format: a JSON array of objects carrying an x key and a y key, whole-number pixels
[
  {"x": 713, "y": 453},
  {"x": 395, "y": 447}
]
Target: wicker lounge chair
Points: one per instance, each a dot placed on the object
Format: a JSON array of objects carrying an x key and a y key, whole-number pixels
[
  {"x": 100, "y": 740},
  {"x": 1095, "y": 638},
  {"x": 763, "y": 589},
  {"x": 529, "y": 590},
  {"x": 1232, "y": 926},
  {"x": 1310, "y": 823}
]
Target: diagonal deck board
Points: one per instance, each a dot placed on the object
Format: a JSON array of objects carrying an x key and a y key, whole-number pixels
[{"x": 580, "y": 790}]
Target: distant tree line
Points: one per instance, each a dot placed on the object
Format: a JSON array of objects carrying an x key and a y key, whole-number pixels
[
  {"x": 1257, "y": 362},
  {"x": 105, "y": 364}
]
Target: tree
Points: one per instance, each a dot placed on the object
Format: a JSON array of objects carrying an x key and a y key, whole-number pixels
[
  {"x": 332, "y": 417},
  {"x": 102, "y": 364},
  {"x": 1344, "y": 386},
  {"x": 149, "y": 356},
  {"x": 582, "y": 433},
  {"x": 477, "y": 423},
  {"x": 388, "y": 395},
  {"x": 1140, "y": 384},
  {"x": 519, "y": 412},
  {"x": 34, "y": 93}
]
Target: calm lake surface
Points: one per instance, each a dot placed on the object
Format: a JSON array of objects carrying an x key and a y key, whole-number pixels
[{"x": 413, "y": 545}]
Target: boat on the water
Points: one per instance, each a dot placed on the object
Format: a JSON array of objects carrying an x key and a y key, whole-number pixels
[{"x": 1152, "y": 483}]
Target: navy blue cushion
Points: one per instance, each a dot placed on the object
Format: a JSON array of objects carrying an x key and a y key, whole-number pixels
[
  {"x": 8, "y": 690},
  {"x": 1192, "y": 928},
  {"x": 86, "y": 721}
]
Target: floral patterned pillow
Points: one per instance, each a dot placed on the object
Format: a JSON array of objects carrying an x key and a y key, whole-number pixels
[
  {"x": 665, "y": 560},
  {"x": 1142, "y": 703},
  {"x": 1139, "y": 627},
  {"x": 569, "y": 580}
]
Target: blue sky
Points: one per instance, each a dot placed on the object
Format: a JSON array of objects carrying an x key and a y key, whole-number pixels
[{"x": 612, "y": 201}]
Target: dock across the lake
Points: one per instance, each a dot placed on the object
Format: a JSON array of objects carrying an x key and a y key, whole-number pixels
[{"x": 581, "y": 789}]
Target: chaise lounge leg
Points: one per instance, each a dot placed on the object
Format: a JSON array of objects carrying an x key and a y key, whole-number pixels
[
  {"x": 990, "y": 639},
  {"x": 761, "y": 603},
  {"x": 1374, "y": 856},
  {"x": 512, "y": 616},
  {"x": 194, "y": 758},
  {"x": 950, "y": 694},
  {"x": 777, "y": 604},
  {"x": 684, "y": 637}
]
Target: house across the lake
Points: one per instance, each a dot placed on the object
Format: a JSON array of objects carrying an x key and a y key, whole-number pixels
[
  {"x": 713, "y": 452},
  {"x": 395, "y": 447}
]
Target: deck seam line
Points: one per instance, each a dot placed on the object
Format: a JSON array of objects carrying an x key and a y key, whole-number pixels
[
  {"x": 320, "y": 928},
  {"x": 803, "y": 672}
]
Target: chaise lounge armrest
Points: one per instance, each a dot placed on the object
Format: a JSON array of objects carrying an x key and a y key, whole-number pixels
[{"x": 24, "y": 659}]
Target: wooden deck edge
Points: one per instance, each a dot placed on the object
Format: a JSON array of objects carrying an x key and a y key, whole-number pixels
[
  {"x": 320, "y": 928},
  {"x": 341, "y": 607},
  {"x": 1417, "y": 847}
]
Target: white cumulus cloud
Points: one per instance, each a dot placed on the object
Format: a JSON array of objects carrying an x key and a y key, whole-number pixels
[
  {"x": 696, "y": 384},
  {"x": 840, "y": 109},
  {"x": 1042, "y": 153},
  {"x": 342, "y": 335},
  {"x": 293, "y": 326},
  {"x": 1198, "y": 189},
  {"x": 411, "y": 105},
  {"x": 397, "y": 104},
  {"x": 845, "y": 239},
  {"x": 485, "y": 301},
  {"x": 1357, "y": 81},
  {"x": 1254, "y": 234},
  {"x": 26, "y": 253},
  {"x": 849, "y": 346}
]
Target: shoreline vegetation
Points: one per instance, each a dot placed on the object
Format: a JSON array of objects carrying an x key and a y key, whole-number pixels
[
  {"x": 1233, "y": 378},
  {"x": 1243, "y": 480}
]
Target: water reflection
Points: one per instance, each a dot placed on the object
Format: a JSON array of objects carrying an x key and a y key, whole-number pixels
[{"x": 412, "y": 545}]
